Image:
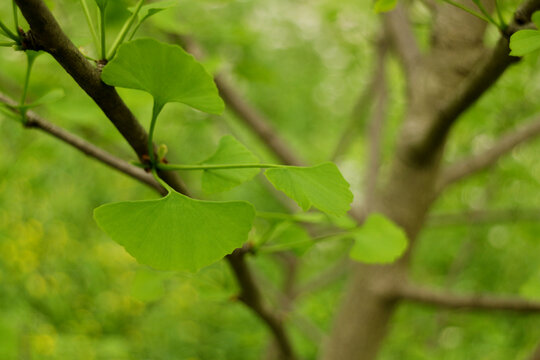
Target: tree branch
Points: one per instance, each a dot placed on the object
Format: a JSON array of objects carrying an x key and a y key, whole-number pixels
[
  {"x": 375, "y": 88},
  {"x": 401, "y": 33},
  {"x": 484, "y": 160},
  {"x": 36, "y": 122},
  {"x": 251, "y": 296},
  {"x": 467, "y": 302},
  {"x": 480, "y": 217},
  {"x": 244, "y": 111},
  {"x": 483, "y": 77},
  {"x": 46, "y": 34}
]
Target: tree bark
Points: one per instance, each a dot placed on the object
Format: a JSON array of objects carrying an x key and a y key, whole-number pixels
[{"x": 362, "y": 321}]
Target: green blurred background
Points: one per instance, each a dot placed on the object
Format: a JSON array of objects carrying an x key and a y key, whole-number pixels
[{"x": 69, "y": 292}]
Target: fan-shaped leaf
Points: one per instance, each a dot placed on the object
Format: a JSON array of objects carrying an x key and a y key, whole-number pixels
[
  {"x": 166, "y": 72},
  {"x": 176, "y": 232},
  {"x": 229, "y": 151},
  {"x": 524, "y": 42},
  {"x": 378, "y": 240},
  {"x": 321, "y": 186}
]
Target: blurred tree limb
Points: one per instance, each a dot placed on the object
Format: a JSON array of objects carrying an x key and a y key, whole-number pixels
[
  {"x": 484, "y": 160},
  {"x": 34, "y": 121},
  {"x": 46, "y": 34},
  {"x": 451, "y": 300}
]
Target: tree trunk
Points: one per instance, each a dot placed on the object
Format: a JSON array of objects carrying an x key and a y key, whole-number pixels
[{"x": 363, "y": 319}]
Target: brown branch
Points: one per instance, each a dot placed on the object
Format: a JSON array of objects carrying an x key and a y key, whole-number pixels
[
  {"x": 375, "y": 131},
  {"x": 36, "y": 122},
  {"x": 376, "y": 88},
  {"x": 256, "y": 122},
  {"x": 399, "y": 28},
  {"x": 482, "y": 78},
  {"x": 467, "y": 302},
  {"x": 480, "y": 217},
  {"x": 245, "y": 112},
  {"x": 536, "y": 353},
  {"x": 46, "y": 34},
  {"x": 251, "y": 296},
  {"x": 325, "y": 278},
  {"x": 484, "y": 160}
]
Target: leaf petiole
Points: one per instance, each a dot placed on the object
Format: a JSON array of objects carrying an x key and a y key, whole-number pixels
[
  {"x": 155, "y": 113},
  {"x": 161, "y": 182},
  {"x": 30, "y": 58},
  {"x": 90, "y": 23},
  {"x": 503, "y": 24},
  {"x": 7, "y": 43},
  {"x": 15, "y": 16},
  {"x": 218, "y": 166},
  {"x": 283, "y": 247},
  {"x": 124, "y": 31},
  {"x": 464, "y": 8},
  {"x": 8, "y": 32},
  {"x": 102, "y": 34},
  {"x": 486, "y": 14}
]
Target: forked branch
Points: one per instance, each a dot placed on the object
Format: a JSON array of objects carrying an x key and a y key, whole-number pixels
[
  {"x": 481, "y": 79},
  {"x": 484, "y": 160},
  {"x": 46, "y": 34}
]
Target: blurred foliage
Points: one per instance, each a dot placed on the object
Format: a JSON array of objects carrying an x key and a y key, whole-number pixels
[{"x": 68, "y": 292}]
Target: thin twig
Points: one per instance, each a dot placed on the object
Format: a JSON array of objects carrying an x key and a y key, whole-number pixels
[
  {"x": 48, "y": 36},
  {"x": 245, "y": 112},
  {"x": 481, "y": 217},
  {"x": 251, "y": 296},
  {"x": 363, "y": 105},
  {"x": 451, "y": 300},
  {"x": 484, "y": 160},
  {"x": 400, "y": 30},
  {"x": 34, "y": 121},
  {"x": 429, "y": 139}
]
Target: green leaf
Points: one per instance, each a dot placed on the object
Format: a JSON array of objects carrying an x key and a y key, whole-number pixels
[
  {"x": 385, "y": 5},
  {"x": 524, "y": 42},
  {"x": 535, "y": 18},
  {"x": 378, "y": 240},
  {"x": 321, "y": 186},
  {"x": 151, "y": 9},
  {"x": 229, "y": 151},
  {"x": 176, "y": 232},
  {"x": 166, "y": 72}
]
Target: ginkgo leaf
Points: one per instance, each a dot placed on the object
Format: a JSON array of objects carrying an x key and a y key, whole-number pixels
[
  {"x": 378, "y": 240},
  {"x": 166, "y": 72},
  {"x": 177, "y": 232},
  {"x": 535, "y": 18},
  {"x": 524, "y": 42},
  {"x": 385, "y": 5},
  {"x": 321, "y": 186},
  {"x": 229, "y": 151}
]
